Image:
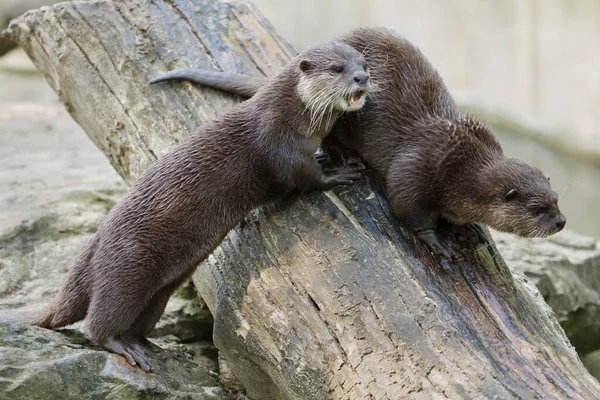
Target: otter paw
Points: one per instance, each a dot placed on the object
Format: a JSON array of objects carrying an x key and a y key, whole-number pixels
[
  {"x": 470, "y": 234},
  {"x": 437, "y": 245},
  {"x": 340, "y": 176},
  {"x": 154, "y": 348},
  {"x": 133, "y": 353},
  {"x": 445, "y": 251},
  {"x": 479, "y": 233}
]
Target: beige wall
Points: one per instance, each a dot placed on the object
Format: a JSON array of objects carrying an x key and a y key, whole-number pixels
[{"x": 537, "y": 57}]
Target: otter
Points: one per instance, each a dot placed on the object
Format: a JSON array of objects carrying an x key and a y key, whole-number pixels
[
  {"x": 184, "y": 205},
  {"x": 436, "y": 163}
]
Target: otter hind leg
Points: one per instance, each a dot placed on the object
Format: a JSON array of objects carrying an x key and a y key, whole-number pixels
[
  {"x": 113, "y": 310},
  {"x": 146, "y": 321}
]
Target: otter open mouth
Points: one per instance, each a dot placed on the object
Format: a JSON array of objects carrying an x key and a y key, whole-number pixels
[{"x": 356, "y": 100}]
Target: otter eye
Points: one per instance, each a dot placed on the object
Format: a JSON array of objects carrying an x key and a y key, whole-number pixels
[
  {"x": 338, "y": 69},
  {"x": 539, "y": 210},
  {"x": 511, "y": 194}
]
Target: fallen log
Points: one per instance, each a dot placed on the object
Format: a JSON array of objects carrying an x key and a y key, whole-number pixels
[{"x": 324, "y": 297}]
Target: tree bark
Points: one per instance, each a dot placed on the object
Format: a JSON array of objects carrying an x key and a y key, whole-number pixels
[{"x": 325, "y": 296}]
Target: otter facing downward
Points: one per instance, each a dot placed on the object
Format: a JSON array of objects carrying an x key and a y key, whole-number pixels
[
  {"x": 437, "y": 163},
  {"x": 182, "y": 207}
]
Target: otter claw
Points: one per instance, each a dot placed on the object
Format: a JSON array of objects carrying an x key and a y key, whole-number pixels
[
  {"x": 340, "y": 176},
  {"x": 478, "y": 230},
  {"x": 153, "y": 347},
  {"x": 437, "y": 246},
  {"x": 132, "y": 353}
]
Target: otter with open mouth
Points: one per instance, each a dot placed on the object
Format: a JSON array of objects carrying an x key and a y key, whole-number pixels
[{"x": 182, "y": 207}]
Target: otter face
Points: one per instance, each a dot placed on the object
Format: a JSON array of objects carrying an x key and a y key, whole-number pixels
[
  {"x": 333, "y": 77},
  {"x": 526, "y": 205}
]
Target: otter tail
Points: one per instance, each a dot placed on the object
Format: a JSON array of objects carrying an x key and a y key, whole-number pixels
[
  {"x": 72, "y": 302},
  {"x": 242, "y": 85}
]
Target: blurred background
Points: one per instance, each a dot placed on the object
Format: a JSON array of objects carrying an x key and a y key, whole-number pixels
[{"x": 529, "y": 68}]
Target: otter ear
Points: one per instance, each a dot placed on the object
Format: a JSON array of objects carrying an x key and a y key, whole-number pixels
[
  {"x": 304, "y": 65},
  {"x": 512, "y": 193}
]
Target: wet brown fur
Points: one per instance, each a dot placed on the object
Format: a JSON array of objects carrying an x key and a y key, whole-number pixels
[
  {"x": 182, "y": 207},
  {"x": 436, "y": 161}
]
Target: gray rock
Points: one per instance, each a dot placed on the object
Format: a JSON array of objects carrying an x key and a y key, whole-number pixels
[
  {"x": 566, "y": 270},
  {"x": 42, "y": 364},
  {"x": 55, "y": 188},
  {"x": 186, "y": 317},
  {"x": 35, "y": 256}
]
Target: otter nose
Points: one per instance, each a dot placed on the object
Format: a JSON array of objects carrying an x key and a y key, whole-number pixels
[
  {"x": 361, "y": 79},
  {"x": 561, "y": 222}
]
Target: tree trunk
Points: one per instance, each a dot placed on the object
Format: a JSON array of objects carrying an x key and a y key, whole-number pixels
[{"x": 326, "y": 296}]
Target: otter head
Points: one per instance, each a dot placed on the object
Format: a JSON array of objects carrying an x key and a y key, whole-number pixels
[
  {"x": 333, "y": 77},
  {"x": 523, "y": 202}
]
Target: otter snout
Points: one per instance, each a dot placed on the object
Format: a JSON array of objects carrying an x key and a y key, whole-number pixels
[
  {"x": 561, "y": 221},
  {"x": 361, "y": 78},
  {"x": 553, "y": 222}
]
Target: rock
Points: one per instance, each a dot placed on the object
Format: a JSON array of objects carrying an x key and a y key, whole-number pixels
[
  {"x": 187, "y": 317},
  {"x": 42, "y": 364},
  {"x": 566, "y": 270},
  {"x": 55, "y": 188},
  {"x": 35, "y": 256}
]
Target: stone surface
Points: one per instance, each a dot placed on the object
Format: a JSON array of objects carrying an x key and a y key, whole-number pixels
[
  {"x": 186, "y": 317},
  {"x": 41, "y": 364}
]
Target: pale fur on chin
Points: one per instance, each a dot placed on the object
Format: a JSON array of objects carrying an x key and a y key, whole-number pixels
[{"x": 325, "y": 100}]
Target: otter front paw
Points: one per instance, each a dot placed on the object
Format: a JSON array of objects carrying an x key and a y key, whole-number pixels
[
  {"x": 340, "y": 176},
  {"x": 479, "y": 233},
  {"x": 469, "y": 234},
  {"x": 437, "y": 245}
]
